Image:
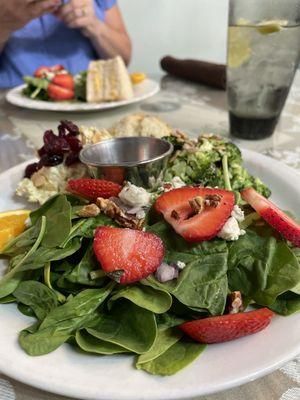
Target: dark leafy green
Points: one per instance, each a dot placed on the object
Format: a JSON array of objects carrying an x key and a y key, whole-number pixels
[
  {"x": 37, "y": 296},
  {"x": 128, "y": 326},
  {"x": 178, "y": 356},
  {"x": 91, "y": 344},
  {"x": 262, "y": 268},
  {"x": 62, "y": 321}
]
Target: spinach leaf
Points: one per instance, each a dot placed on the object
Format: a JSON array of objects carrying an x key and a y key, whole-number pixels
[
  {"x": 157, "y": 301},
  {"x": 23, "y": 242},
  {"x": 58, "y": 222},
  {"x": 8, "y": 299},
  {"x": 38, "y": 296},
  {"x": 42, "y": 341},
  {"x": 11, "y": 279},
  {"x": 91, "y": 344},
  {"x": 203, "y": 282},
  {"x": 62, "y": 321},
  {"x": 81, "y": 272},
  {"x": 84, "y": 227},
  {"x": 38, "y": 213},
  {"x": 176, "y": 357},
  {"x": 286, "y": 304},
  {"x": 262, "y": 268},
  {"x": 164, "y": 340},
  {"x": 128, "y": 326},
  {"x": 44, "y": 255}
]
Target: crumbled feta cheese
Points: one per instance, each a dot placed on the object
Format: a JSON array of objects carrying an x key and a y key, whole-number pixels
[
  {"x": 177, "y": 182},
  {"x": 140, "y": 214},
  {"x": 238, "y": 213},
  {"x": 231, "y": 230},
  {"x": 166, "y": 272},
  {"x": 134, "y": 195},
  {"x": 180, "y": 265},
  {"x": 48, "y": 181},
  {"x": 27, "y": 189}
]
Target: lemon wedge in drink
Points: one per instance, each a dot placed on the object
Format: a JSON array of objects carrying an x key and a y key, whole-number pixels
[
  {"x": 239, "y": 50},
  {"x": 268, "y": 27}
]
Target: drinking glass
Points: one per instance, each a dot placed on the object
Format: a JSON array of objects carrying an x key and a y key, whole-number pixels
[{"x": 263, "y": 55}]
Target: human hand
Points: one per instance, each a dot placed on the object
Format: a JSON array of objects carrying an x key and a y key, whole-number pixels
[
  {"x": 78, "y": 14},
  {"x": 17, "y": 13}
]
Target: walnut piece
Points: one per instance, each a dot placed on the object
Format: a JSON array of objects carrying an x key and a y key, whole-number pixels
[
  {"x": 197, "y": 204},
  {"x": 234, "y": 302},
  {"x": 112, "y": 210},
  {"x": 90, "y": 210},
  {"x": 212, "y": 200}
]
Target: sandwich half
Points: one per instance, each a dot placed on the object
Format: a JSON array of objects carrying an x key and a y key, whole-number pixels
[{"x": 108, "y": 80}]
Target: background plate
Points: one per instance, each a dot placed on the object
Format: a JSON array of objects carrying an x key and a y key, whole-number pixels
[
  {"x": 141, "y": 91},
  {"x": 220, "y": 367}
]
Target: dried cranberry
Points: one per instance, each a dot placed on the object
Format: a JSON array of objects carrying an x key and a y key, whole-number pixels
[
  {"x": 49, "y": 136},
  {"x": 31, "y": 169},
  {"x": 41, "y": 151},
  {"x": 57, "y": 146},
  {"x": 49, "y": 160},
  {"x": 61, "y": 131},
  {"x": 74, "y": 143},
  {"x": 70, "y": 127},
  {"x": 71, "y": 158}
]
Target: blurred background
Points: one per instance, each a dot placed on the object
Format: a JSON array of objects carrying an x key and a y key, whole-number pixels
[{"x": 182, "y": 28}]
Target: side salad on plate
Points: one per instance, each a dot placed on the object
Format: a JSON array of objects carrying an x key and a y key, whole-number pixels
[
  {"x": 104, "y": 80},
  {"x": 205, "y": 257}
]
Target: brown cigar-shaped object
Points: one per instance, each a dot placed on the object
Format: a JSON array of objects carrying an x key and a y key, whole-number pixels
[{"x": 197, "y": 71}]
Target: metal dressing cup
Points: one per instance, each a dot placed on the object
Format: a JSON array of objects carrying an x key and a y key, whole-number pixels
[{"x": 139, "y": 160}]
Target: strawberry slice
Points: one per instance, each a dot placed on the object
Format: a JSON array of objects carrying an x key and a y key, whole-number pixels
[
  {"x": 41, "y": 71},
  {"x": 57, "y": 68},
  {"x": 93, "y": 188},
  {"x": 196, "y": 213},
  {"x": 227, "y": 327},
  {"x": 128, "y": 255},
  {"x": 64, "y": 80},
  {"x": 59, "y": 93},
  {"x": 282, "y": 223}
]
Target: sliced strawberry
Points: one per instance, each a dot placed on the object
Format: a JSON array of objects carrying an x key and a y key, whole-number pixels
[
  {"x": 282, "y": 223},
  {"x": 59, "y": 93},
  {"x": 64, "y": 80},
  {"x": 57, "y": 68},
  {"x": 93, "y": 188},
  {"x": 41, "y": 71},
  {"x": 227, "y": 327},
  {"x": 128, "y": 255},
  {"x": 192, "y": 224}
]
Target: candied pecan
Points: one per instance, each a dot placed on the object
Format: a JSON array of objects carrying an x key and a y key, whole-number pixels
[
  {"x": 234, "y": 302},
  {"x": 90, "y": 210},
  {"x": 197, "y": 204},
  {"x": 212, "y": 200},
  {"x": 118, "y": 215}
]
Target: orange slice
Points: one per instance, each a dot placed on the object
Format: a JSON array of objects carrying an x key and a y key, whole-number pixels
[
  {"x": 12, "y": 223},
  {"x": 137, "y": 77}
]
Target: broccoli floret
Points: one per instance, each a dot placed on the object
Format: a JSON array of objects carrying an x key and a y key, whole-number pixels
[{"x": 212, "y": 161}]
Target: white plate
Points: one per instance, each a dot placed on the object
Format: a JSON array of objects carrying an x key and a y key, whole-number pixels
[
  {"x": 141, "y": 91},
  {"x": 220, "y": 367}
]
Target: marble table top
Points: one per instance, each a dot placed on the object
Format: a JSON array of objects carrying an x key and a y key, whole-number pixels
[{"x": 190, "y": 107}]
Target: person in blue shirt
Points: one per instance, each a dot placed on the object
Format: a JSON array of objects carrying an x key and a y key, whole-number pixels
[{"x": 48, "y": 32}]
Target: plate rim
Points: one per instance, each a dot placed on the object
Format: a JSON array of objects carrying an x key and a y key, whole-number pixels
[
  {"x": 76, "y": 109},
  {"x": 259, "y": 372}
]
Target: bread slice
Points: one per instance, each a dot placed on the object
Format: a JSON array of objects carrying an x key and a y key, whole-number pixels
[{"x": 108, "y": 80}]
